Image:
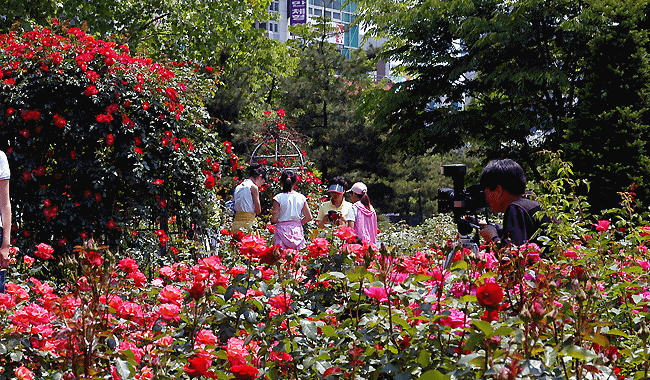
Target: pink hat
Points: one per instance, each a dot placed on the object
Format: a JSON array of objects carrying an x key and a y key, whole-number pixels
[{"x": 359, "y": 188}]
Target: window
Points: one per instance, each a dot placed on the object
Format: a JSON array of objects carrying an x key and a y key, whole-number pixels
[
  {"x": 318, "y": 12},
  {"x": 336, "y": 16}
]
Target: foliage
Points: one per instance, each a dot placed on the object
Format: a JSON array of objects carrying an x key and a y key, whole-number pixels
[
  {"x": 100, "y": 143},
  {"x": 322, "y": 97},
  {"x": 339, "y": 309},
  {"x": 514, "y": 78},
  {"x": 411, "y": 183},
  {"x": 181, "y": 30}
]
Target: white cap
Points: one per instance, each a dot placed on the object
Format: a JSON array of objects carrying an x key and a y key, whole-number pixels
[{"x": 359, "y": 188}]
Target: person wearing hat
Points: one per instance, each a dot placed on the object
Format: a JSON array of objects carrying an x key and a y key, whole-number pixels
[
  {"x": 334, "y": 211},
  {"x": 362, "y": 216}
]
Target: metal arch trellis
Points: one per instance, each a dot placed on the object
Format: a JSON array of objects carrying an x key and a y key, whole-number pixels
[{"x": 282, "y": 147}]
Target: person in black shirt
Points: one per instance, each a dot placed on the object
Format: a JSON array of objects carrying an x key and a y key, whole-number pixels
[{"x": 504, "y": 183}]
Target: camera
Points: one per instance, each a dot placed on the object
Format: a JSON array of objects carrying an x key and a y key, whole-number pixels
[
  {"x": 333, "y": 215},
  {"x": 461, "y": 201}
]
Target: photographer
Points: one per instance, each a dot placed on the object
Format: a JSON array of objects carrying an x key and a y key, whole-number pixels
[
  {"x": 335, "y": 210},
  {"x": 504, "y": 184}
]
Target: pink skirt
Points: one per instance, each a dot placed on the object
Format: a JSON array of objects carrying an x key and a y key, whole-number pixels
[{"x": 289, "y": 235}]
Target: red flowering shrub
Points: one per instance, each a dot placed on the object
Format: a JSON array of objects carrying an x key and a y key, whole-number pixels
[{"x": 87, "y": 128}]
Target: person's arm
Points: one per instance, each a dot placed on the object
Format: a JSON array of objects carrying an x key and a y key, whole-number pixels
[
  {"x": 351, "y": 217},
  {"x": 5, "y": 209},
  {"x": 489, "y": 233},
  {"x": 306, "y": 213},
  {"x": 255, "y": 193},
  {"x": 275, "y": 211}
]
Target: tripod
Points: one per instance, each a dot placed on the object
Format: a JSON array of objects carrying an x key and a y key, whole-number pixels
[{"x": 465, "y": 240}]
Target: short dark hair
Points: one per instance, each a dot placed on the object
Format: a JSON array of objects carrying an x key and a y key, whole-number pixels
[
  {"x": 256, "y": 169},
  {"x": 507, "y": 173},
  {"x": 338, "y": 180}
]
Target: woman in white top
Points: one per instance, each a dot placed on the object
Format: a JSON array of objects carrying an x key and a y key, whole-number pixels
[
  {"x": 290, "y": 211},
  {"x": 5, "y": 218},
  {"x": 247, "y": 199}
]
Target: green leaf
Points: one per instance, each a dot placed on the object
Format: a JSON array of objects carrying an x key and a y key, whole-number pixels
[
  {"x": 309, "y": 328},
  {"x": 124, "y": 369},
  {"x": 577, "y": 352},
  {"x": 329, "y": 331},
  {"x": 617, "y": 332},
  {"x": 424, "y": 358},
  {"x": 16, "y": 356},
  {"x": 434, "y": 375},
  {"x": 484, "y": 326},
  {"x": 358, "y": 273}
]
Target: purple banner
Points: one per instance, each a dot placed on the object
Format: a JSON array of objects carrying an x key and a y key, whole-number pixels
[{"x": 298, "y": 11}]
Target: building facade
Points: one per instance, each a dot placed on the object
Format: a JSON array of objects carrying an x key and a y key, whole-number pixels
[
  {"x": 292, "y": 12},
  {"x": 346, "y": 36}
]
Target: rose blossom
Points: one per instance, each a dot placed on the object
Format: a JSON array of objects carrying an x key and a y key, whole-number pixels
[
  {"x": 489, "y": 295},
  {"x": 244, "y": 372},
  {"x": 44, "y": 251}
]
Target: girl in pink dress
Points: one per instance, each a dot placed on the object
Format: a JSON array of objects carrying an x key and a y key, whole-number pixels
[{"x": 289, "y": 213}]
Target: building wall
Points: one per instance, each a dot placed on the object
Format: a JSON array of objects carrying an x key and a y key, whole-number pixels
[{"x": 340, "y": 17}]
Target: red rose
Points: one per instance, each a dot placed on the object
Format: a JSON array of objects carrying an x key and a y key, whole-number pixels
[
  {"x": 244, "y": 372},
  {"x": 59, "y": 121},
  {"x": 489, "y": 295},
  {"x": 209, "y": 182},
  {"x": 44, "y": 251},
  {"x": 91, "y": 90},
  {"x": 94, "y": 258},
  {"x": 104, "y": 118},
  {"x": 198, "y": 366}
]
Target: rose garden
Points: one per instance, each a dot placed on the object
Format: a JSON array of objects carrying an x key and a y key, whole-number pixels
[{"x": 124, "y": 268}]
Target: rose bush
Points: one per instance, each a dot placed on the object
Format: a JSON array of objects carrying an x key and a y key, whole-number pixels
[
  {"x": 341, "y": 310},
  {"x": 101, "y": 143}
]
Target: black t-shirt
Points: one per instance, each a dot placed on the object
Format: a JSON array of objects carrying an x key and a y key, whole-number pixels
[{"x": 519, "y": 221}]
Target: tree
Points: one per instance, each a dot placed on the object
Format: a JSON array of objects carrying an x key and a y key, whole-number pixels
[
  {"x": 513, "y": 78},
  {"x": 102, "y": 144},
  {"x": 322, "y": 98}
]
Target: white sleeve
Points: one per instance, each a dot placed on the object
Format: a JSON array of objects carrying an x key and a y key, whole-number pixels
[
  {"x": 352, "y": 215},
  {"x": 4, "y": 166}
]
